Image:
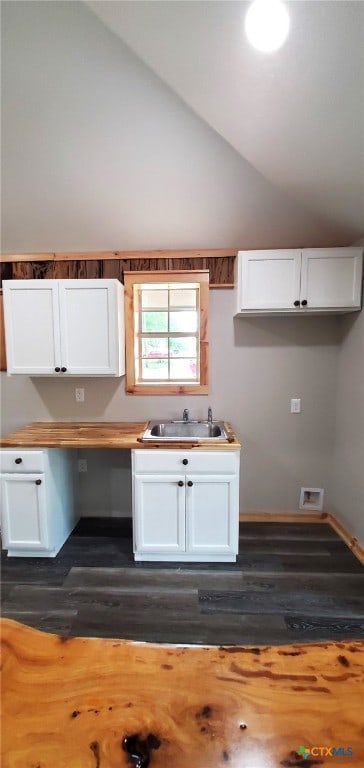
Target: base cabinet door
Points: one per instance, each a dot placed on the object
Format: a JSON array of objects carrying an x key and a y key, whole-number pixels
[
  {"x": 212, "y": 525},
  {"x": 159, "y": 514},
  {"x": 24, "y": 518}
]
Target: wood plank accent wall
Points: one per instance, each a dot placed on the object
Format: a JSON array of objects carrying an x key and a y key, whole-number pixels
[
  {"x": 108, "y": 264},
  {"x": 95, "y": 264}
]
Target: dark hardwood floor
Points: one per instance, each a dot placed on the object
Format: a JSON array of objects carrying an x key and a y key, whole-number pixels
[{"x": 291, "y": 583}]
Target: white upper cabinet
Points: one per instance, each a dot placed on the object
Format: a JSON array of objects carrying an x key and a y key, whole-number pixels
[
  {"x": 319, "y": 280},
  {"x": 64, "y": 327}
]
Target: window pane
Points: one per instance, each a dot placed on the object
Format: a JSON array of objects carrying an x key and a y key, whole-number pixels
[
  {"x": 183, "y": 369},
  {"x": 183, "y": 347},
  {"x": 183, "y": 321},
  {"x": 153, "y": 298},
  {"x": 155, "y": 347},
  {"x": 155, "y": 321},
  {"x": 183, "y": 298},
  {"x": 154, "y": 369}
]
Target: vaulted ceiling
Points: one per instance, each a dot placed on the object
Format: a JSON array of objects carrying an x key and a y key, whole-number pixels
[{"x": 296, "y": 115}]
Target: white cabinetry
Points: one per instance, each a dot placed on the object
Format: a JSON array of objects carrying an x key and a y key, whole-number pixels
[
  {"x": 159, "y": 513},
  {"x": 64, "y": 327},
  {"x": 317, "y": 280},
  {"x": 37, "y": 511},
  {"x": 186, "y": 505}
]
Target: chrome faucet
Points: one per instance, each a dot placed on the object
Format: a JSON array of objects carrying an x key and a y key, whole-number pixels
[
  {"x": 185, "y": 417},
  {"x": 209, "y": 415}
]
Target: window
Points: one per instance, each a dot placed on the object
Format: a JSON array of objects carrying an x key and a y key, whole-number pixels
[{"x": 166, "y": 332}]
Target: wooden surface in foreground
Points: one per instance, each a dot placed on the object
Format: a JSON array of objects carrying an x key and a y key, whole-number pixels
[{"x": 92, "y": 703}]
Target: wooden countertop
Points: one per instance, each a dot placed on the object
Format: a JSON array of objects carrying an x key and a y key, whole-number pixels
[
  {"x": 71, "y": 702},
  {"x": 101, "y": 434}
]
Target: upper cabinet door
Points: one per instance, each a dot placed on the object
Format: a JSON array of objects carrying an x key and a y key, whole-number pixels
[
  {"x": 89, "y": 318},
  {"x": 32, "y": 333},
  {"x": 268, "y": 280},
  {"x": 331, "y": 278}
]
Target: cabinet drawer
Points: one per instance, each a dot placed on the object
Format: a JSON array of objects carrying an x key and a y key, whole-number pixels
[
  {"x": 184, "y": 461},
  {"x": 30, "y": 461}
]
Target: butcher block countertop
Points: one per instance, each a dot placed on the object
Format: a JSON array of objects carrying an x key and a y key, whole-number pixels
[{"x": 102, "y": 434}]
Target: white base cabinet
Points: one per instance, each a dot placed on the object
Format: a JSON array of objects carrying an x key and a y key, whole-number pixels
[
  {"x": 185, "y": 505},
  {"x": 64, "y": 327},
  {"x": 37, "y": 508},
  {"x": 308, "y": 281}
]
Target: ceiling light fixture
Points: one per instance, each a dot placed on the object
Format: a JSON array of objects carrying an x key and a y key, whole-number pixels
[{"x": 267, "y": 24}]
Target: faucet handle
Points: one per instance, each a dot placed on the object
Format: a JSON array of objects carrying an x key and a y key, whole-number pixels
[{"x": 209, "y": 414}]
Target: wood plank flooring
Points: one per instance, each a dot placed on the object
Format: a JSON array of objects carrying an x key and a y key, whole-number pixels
[{"x": 291, "y": 583}]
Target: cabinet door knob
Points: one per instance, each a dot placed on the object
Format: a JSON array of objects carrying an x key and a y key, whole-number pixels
[
  {"x": 38, "y": 482},
  {"x": 304, "y": 303},
  {"x": 296, "y": 303},
  {"x": 18, "y": 461},
  {"x": 180, "y": 483},
  {"x": 185, "y": 461},
  {"x": 57, "y": 370},
  {"x": 63, "y": 369},
  {"x": 190, "y": 483}
]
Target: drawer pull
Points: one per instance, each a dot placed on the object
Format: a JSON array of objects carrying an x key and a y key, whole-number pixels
[
  {"x": 190, "y": 483},
  {"x": 18, "y": 461},
  {"x": 38, "y": 482},
  {"x": 180, "y": 483},
  {"x": 185, "y": 461}
]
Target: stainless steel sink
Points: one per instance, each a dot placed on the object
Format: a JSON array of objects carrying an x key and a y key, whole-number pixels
[{"x": 185, "y": 430}]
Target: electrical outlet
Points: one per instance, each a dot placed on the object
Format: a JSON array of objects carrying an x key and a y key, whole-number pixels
[
  {"x": 82, "y": 465},
  {"x": 79, "y": 394},
  {"x": 296, "y": 405}
]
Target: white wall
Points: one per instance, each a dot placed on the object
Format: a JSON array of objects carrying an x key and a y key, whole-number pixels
[
  {"x": 256, "y": 366},
  {"x": 99, "y": 154},
  {"x": 347, "y": 484}
]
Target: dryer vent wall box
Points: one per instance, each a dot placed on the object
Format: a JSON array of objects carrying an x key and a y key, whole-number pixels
[
  {"x": 64, "y": 327},
  {"x": 312, "y": 498},
  {"x": 299, "y": 282}
]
